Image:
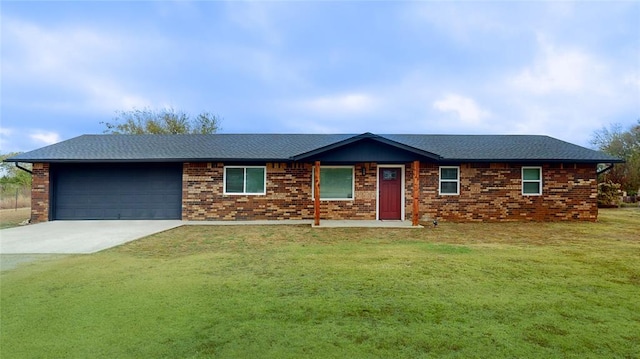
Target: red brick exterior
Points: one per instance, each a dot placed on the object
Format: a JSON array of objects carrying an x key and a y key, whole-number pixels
[
  {"x": 493, "y": 192},
  {"x": 364, "y": 204},
  {"x": 40, "y": 193},
  {"x": 288, "y": 195},
  {"x": 488, "y": 192}
]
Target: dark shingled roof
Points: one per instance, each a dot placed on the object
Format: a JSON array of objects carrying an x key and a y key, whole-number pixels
[{"x": 284, "y": 147}]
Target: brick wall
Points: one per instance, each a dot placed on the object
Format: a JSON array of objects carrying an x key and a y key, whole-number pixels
[
  {"x": 493, "y": 192},
  {"x": 40, "y": 192},
  {"x": 364, "y": 205},
  {"x": 488, "y": 192},
  {"x": 288, "y": 195}
]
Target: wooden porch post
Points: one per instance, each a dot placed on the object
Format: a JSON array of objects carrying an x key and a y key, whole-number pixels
[
  {"x": 316, "y": 190},
  {"x": 416, "y": 193}
]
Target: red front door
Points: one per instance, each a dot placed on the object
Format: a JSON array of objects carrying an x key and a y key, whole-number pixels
[{"x": 390, "y": 195}]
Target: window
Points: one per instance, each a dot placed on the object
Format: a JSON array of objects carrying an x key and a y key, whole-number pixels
[
  {"x": 449, "y": 180},
  {"x": 389, "y": 175},
  {"x": 336, "y": 183},
  {"x": 532, "y": 181},
  {"x": 245, "y": 180}
]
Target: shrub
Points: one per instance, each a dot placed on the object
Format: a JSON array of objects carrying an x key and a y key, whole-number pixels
[{"x": 609, "y": 194}]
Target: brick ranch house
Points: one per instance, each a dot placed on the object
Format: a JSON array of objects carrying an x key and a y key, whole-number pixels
[{"x": 226, "y": 177}]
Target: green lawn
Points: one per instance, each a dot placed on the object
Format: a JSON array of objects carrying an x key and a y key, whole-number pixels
[
  {"x": 514, "y": 290},
  {"x": 13, "y": 217}
]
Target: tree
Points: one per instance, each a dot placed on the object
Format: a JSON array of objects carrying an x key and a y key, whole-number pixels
[
  {"x": 161, "y": 122},
  {"x": 11, "y": 176},
  {"x": 623, "y": 144}
]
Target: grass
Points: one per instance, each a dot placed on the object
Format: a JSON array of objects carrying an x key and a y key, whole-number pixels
[
  {"x": 12, "y": 198},
  {"x": 12, "y": 217},
  {"x": 484, "y": 290}
]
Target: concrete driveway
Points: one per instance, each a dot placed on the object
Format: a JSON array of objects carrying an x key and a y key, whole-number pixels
[{"x": 73, "y": 237}]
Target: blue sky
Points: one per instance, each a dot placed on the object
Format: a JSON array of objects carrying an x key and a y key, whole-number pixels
[{"x": 563, "y": 69}]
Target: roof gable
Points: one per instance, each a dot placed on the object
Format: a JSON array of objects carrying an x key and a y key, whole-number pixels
[{"x": 366, "y": 147}]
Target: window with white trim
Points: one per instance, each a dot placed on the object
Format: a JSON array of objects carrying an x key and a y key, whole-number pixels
[
  {"x": 336, "y": 183},
  {"x": 449, "y": 180},
  {"x": 245, "y": 179},
  {"x": 531, "y": 181}
]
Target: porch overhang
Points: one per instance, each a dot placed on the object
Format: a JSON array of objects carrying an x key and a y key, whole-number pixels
[{"x": 367, "y": 148}]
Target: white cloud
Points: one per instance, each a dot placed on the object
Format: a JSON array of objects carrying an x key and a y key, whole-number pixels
[
  {"x": 5, "y": 136},
  {"x": 459, "y": 21},
  {"x": 78, "y": 60},
  {"x": 45, "y": 137},
  {"x": 56, "y": 52},
  {"x": 107, "y": 96},
  {"x": 259, "y": 18},
  {"x": 11, "y": 142},
  {"x": 568, "y": 92},
  {"x": 633, "y": 80},
  {"x": 342, "y": 104},
  {"x": 5, "y": 131},
  {"x": 466, "y": 109},
  {"x": 558, "y": 70},
  {"x": 351, "y": 112}
]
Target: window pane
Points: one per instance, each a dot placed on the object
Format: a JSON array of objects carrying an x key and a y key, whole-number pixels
[
  {"x": 389, "y": 175},
  {"x": 336, "y": 182},
  {"x": 531, "y": 188},
  {"x": 531, "y": 174},
  {"x": 449, "y": 187},
  {"x": 449, "y": 173},
  {"x": 234, "y": 180},
  {"x": 255, "y": 180}
]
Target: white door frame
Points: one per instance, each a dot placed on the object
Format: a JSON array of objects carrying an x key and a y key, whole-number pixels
[{"x": 402, "y": 190}]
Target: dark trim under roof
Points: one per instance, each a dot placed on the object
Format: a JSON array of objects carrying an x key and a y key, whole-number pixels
[
  {"x": 364, "y": 136},
  {"x": 304, "y": 147}
]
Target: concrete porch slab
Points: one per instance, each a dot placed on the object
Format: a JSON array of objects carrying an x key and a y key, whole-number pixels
[
  {"x": 364, "y": 224},
  {"x": 323, "y": 223},
  {"x": 290, "y": 222}
]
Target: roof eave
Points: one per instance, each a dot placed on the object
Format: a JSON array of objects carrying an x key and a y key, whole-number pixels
[
  {"x": 299, "y": 158},
  {"x": 149, "y": 160},
  {"x": 531, "y": 160}
]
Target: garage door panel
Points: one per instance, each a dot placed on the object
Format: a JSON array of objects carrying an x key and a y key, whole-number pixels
[{"x": 117, "y": 191}]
